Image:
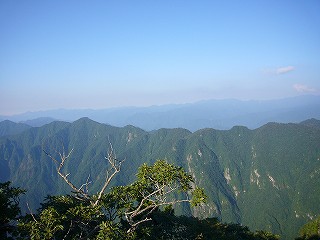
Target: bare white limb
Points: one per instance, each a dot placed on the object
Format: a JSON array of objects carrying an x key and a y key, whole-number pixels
[
  {"x": 82, "y": 191},
  {"x": 110, "y": 173},
  {"x": 60, "y": 163},
  {"x": 85, "y": 186},
  {"x": 155, "y": 199},
  {"x": 34, "y": 219}
]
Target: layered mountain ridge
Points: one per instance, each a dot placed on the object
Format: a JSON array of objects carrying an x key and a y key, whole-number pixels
[
  {"x": 219, "y": 114},
  {"x": 266, "y": 178}
]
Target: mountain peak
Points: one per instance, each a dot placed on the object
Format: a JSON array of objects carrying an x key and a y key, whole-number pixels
[
  {"x": 311, "y": 122},
  {"x": 85, "y": 120}
]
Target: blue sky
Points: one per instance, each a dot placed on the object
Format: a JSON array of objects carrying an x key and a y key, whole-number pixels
[{"x": 100, "y": 54}]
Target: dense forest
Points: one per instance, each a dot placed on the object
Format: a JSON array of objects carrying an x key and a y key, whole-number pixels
[
  {"x": 138, "y": 211},
  {"x": 264, "y": 178},
  {"x": 141, "y": 210}
]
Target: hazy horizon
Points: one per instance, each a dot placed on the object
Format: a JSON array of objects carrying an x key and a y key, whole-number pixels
[
  {"x": 97, "y": 55},
  {"x": 152, "y": 105},
  {"x": 304, "y": 98}
]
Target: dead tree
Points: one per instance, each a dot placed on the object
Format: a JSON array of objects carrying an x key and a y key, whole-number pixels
[{"x": 114, "y": 167}]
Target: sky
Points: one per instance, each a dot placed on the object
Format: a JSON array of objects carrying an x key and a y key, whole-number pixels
[{"x": 80, "y": 54}]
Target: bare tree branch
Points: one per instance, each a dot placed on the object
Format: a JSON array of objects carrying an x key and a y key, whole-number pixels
[
  {"x": 155, "y": 199},
  {"x": 85, "y": 185},
  {"x": 130, "y": 215},
  {"x": 34, "y": 219},
  {"x": 110, "y": 173},
  {"x": 82, "y": 191},
  {"x": 66, "y": 235},
  {"x": 60, "y": 164},
  {"x": 134, "y": 225}
]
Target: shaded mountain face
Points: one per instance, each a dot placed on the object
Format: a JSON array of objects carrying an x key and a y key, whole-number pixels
[{"x": 267, "y": 178}]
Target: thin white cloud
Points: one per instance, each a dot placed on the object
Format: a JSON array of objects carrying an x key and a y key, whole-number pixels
[
  {"x": 282, "y": 70},
  {"x": 278, "y": 71},
  {"x": 304, "y": 88}
]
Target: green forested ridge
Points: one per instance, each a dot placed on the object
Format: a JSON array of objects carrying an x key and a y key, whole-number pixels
[
  {"x": 265, "y": 178},
  {"x": 10, "y": 128}
]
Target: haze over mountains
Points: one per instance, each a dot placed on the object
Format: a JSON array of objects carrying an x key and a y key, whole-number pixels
[
  {"x": 217, "y": 114},
  {"x": 267, "y": 178}
]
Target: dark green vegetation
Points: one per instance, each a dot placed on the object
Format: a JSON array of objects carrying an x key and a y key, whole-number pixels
[
  {"x": 267, "y": 178},
  {"x": 9, "y": 208},
  {"x": 311, "y": 230},
  {"x": 83, "y": 216},
  {"x": 116, "y": 214}
]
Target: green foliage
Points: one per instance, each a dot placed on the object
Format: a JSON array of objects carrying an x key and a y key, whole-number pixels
[
  {"x": 117, "y": 214},
  {"x": 156, "y": 186},
  {"x": 166, "y": 225},
  {"x": 198, "y": 197},
  {"x": 163, "y": 173},
  {"x": 47, "y": 224},
  {"x": 62, "y": 217},
  {"x": 310, "y": 230},
  {"x": 136, "y": 211},
  {"x": 112, "y": 231},
  {"x": 9, "y": 208}
]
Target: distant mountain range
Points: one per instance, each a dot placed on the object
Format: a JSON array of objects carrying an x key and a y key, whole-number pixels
[
  {"x": 217, "y": 114},
  {"x": 267, "y": 178}
]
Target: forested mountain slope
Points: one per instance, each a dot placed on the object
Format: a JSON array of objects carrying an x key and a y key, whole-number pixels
[
  {"x": 10, "y": 128},
  {"x": 267, "y": 178}
]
